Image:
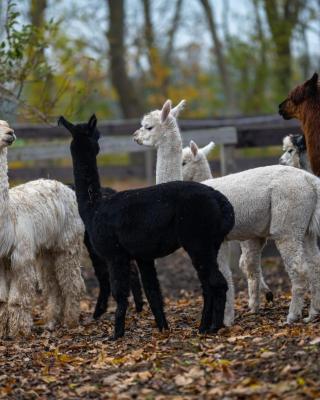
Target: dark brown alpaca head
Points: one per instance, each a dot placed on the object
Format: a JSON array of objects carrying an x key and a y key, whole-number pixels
[
  {"x": 301, "y": 99},
  {"x": 303, "y": 103}
]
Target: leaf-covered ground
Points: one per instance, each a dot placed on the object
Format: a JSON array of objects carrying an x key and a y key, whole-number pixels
[{"x": 258, "y": 358}]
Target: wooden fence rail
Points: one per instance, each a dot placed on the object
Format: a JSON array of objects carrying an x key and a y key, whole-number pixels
[{"x": 229, "y": 133}]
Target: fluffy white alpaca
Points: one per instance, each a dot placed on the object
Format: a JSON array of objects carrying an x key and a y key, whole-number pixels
[
  {"x": 277, "y": 202},
  {"x": 195, "y": 167},
  {"x": 160, "y": 130},
  {"x": 40, "y": 230},
  {"x": 281, "y": 203},
  {"x": 295, "y": 152}
]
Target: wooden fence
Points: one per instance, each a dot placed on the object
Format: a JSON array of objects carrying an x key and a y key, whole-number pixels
[{"x": 228, "y": 133}]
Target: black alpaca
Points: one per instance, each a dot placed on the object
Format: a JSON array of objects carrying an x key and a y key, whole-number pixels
[
  {"x": 145, "y": 224},
  {"x": 101, "y": 271}
]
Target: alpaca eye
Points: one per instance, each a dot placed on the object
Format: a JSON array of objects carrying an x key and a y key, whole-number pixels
[
  {"x": 149, "y": 128},
  {"x": 290, "y": 151},
  {"x": 183, "y": 163}
]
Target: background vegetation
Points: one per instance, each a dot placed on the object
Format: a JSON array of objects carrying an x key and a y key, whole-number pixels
[{"x": 121, "y": 58}]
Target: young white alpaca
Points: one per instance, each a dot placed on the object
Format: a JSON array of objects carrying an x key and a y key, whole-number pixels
[
  {"x": 295, "y": 152},
  {"x": 40, "y": 230},
  {"x": 160, "y": 130},
  {"x": 195, "y": 167},
  {"x": 277, "y": 202},
  {"x": 283, "y": 204}
]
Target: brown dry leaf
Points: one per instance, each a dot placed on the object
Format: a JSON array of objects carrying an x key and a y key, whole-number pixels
[
  {"x": 268, "y": 354},
  {"x": 144, "y": 376},
  {"x": 315, "y": 341},
  {"x": 182, "y": 380}
]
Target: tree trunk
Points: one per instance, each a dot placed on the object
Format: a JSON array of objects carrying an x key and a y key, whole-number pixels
[
  {"x": 218, "y": 52},
  {"x": 129, "y": 101},
  {"x": 282, "y": 18}
]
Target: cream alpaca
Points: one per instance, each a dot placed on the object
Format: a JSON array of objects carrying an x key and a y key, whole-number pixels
[
  {"x": 195, "y": 167},
  {"x": 40, "y": 230},
  {"x": 160, "y": 129}
]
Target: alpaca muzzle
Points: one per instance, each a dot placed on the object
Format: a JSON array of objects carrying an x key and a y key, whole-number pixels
[
  {"x": 136, "y": 137},
  {"x": 283, "y": 112}
]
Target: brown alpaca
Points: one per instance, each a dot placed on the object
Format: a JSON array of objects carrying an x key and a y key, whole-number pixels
[{"x": 303, "y": 103}]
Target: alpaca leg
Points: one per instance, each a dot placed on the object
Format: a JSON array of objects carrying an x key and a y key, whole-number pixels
[
  {"x": 226, "y": 271},
  {"x": 119, "y": 270},
  {"x": 136, "y": 286},
  {"x": 153, "y": 292},
  {"x": 293, "y": 256},
  {"x": 214, "y": 287},
  {"x": 101, "y": 271},
  {"x": 68, "y": 273},
  {"x": 4, "y": 294},
  {"x": 313, "y": 254},
  {"x": 21, "y": 293},
  {"x": 250, "y": 264},
  {"x": 52, "y": 293}
]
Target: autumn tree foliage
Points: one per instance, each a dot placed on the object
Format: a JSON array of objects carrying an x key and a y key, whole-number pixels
[{"x": 121, "y": 58}]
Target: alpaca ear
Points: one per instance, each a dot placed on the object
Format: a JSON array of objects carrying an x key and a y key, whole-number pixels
[
  {"x": 165, "y": 111},
  {"x": 301, "y": 143},
  {"x": 92, "y": 123},
  {"x": 194, "y": 150},
  {"x": 206, "y": 150},
  {"x": 312, "y": 84},
  {"x": 68, "y": 125},
  {"x": 177, "y": 109}
]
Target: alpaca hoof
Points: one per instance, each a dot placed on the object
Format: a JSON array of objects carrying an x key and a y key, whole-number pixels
[
  {"x": 115, "y": 337},
  {"x": 98, "y": 312},
  {"x": 228, "y": 320},
  {"x": 50, "y": 326},
  {"x": 310, "y": 318},
  {"x": 164, "y": 327},
  {"x": 291, "y": 318},
  {"x": 269, "y": 297}
]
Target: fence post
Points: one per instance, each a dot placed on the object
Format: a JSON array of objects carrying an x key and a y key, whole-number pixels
[{"x": 227, "y": 159}]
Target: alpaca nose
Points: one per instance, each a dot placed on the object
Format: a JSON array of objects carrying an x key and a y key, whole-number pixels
[
  {"x": 136, "y": 136},
  {"x": 12, "y": 137}
]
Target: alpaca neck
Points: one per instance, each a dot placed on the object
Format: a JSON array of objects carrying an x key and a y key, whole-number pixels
[
  {"x": 6, "y": 230},
  {"x": 4, "y": 184},
  {"x": 169, "y": 155},
  {"x": 304, "y": 162},
  {"x": 87, "y": 183},
  {"x": 203, "y": 171},
  {"x": 311, "y": 129}
]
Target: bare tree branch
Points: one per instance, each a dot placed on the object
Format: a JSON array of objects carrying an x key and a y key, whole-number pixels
[{"x": 6, "y": 94}]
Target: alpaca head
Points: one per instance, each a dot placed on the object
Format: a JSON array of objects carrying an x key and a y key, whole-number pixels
[
  {"x": 194, "y": 160},
  {"x": 155, "y": 125},
  {"x": 301, "y": 99},
  {"x": 293, "y": 147},
  {"x": 84, "y": 136},
  {"x": 7, "y": 136}
]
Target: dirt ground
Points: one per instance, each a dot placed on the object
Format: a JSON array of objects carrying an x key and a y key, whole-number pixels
[{"x": 260, "y": 357}]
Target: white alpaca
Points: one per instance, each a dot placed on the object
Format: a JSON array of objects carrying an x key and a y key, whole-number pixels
[
  {"x": 195, "y": 167},
  {"x": 295, "y": 152},
  {"x": 283, "y": 204},
  {"x": 40, "y": 230},
  {"x": 160, "y": 129},
  {"x": 277, "y": 202}
]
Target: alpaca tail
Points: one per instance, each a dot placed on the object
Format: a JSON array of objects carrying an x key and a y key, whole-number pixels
[
  {"x": 314, "y": 225},
  {"x": 227, "y": 211}
]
